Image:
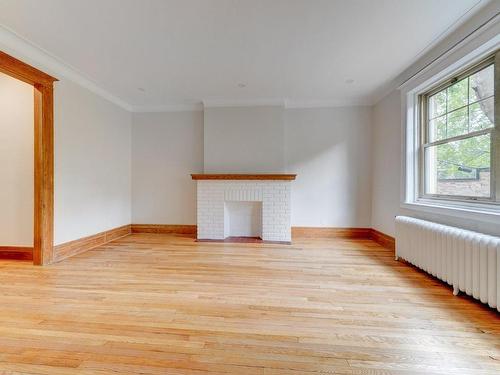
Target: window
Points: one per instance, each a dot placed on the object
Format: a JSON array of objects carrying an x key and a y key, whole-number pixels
[{"x": 460, "y": 141}]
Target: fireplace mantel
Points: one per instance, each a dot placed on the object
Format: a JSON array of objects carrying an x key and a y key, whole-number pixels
[{"x": 280, "y": 177}]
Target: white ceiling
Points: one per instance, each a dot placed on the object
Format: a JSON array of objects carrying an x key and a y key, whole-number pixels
[{"x": 187, "y": 51}]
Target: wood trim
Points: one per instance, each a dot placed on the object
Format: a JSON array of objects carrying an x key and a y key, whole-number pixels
[
  {"x": 383, "y": 239},
  {"x": 297, "y": 232},
  {"x": 16, "y": 252},
  {"x": 43, "y": 215},
  {"x": 44, "y": 175},
  {"x": 24, "y": 72},
  {"x": 81, "y": 245},
  {"x": 358, "y": 233},
  {"x": 328, "y": 232},
  {"x": 164, "y": 228},
  {"x": 281, "y": 177}
]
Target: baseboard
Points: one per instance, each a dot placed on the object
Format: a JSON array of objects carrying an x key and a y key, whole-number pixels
[
  {"x": 164, "y": 228},
  {"x": 297, "y": 232},
  {"x": 383, "y": 239},
  {"x": 353, "y": 233},
  {"x": 16, "y": 252},
  {"x": 305, "y": 232},
  {"x": 81, "y": 245},
  {"x": 329, "y": 232}
]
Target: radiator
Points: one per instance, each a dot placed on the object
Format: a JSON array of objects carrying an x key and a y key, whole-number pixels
[{"x": 468, "y": 261}]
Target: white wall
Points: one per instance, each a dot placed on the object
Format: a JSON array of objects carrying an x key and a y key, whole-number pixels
[
  {"x": 386, "y": 162},
  {"x": 244, "y": 139},
  {"x": 16, "y": 162},
  {"x": 330, "y": 150},
  {"x": 166, "y": 149},
  {"x": 92, "y": 178}
]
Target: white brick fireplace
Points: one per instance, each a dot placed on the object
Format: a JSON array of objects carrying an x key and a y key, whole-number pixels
[{"x": 244, "y": 205}]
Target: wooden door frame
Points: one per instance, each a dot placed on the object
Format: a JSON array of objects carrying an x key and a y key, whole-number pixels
[{"x": 43, "y": 88}]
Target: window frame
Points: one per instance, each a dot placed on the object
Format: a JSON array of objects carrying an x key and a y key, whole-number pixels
[{"x": 423, "y": 134}]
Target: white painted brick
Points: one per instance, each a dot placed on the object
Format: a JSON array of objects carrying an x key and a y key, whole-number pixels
[{"x": 274, "y": 195}]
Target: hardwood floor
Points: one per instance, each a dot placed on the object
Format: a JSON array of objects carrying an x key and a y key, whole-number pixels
[{"x": 164, "y": 304}]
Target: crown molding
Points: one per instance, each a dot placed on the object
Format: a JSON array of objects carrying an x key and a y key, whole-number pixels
[
  {"x": 24, "y": 50},
  {"x": 179, "y": 107},
  {"x": 225, "y": 103},
  {"x": 257, "y": 102},
  {"x": 286, "y": 103},
  {"x": 325, "y": 103}
]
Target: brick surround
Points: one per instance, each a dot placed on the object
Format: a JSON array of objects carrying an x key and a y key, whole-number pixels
[{"x": 274, "y": 195}]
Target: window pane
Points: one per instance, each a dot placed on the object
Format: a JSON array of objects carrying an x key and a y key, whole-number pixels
[
  {"x": 458, "y": 94},
  {"x": 437, "y": 104},
  {"x": 437, "y": 129},
  {"x": 482, "y": 114},
  {"x": 481, "y": 84},
  {"x": 458, "y": 123},
  {"x": 459, "y": 168}
]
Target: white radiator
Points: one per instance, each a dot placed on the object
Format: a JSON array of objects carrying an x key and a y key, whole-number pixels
[{"x": 469, "y": 261}]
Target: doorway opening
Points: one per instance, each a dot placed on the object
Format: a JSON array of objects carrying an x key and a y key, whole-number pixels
[
  {"x": 43, "y": 156},
  {"x": 17, "y": 170}
]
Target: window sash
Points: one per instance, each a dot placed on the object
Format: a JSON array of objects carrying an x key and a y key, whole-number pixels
[
  {"x": 464, "y": 74},
  {"x": 459, "y": 137},
  {"x": 459, "y": 108},
  {"x": 494, "y": 132},
  {"x": 489, "y": 199}
]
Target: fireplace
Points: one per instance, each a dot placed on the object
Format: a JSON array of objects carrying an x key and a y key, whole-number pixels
[
  {"x": 230, "y": 205},
  {"x": 242, "y": 219}
]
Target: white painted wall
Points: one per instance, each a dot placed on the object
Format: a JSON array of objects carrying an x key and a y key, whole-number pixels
[
  {"x": 330, "y": 150},
  {"x": 166, "y": 149},
  {"x": 16, "y": 162},
  {"x": 244, "y": 139},
  {"x": 92, "y": 163},
  {"x": 386, "y": 162}
]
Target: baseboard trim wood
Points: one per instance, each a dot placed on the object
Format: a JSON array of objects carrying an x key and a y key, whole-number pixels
[
  {"x": 352, "y": 233},
  {"x": 383, "y": 239},
  {"x": 305, "y": 232},
  {"x": 164, "y": 228},
  {"x": 81, "y": 245},
  {"x": 329, "y": 232},
  {"x": 297, "y": 232},
  {"x": 16, "y": 252}
]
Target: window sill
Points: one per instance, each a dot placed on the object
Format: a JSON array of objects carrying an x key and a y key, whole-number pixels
[{"x": 486, "y": 212}]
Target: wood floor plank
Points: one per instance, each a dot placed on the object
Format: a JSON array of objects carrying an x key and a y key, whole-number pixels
[{"x": 165, "y": 304}]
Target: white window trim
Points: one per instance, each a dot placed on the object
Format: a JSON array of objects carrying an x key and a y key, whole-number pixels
[{"x": 410, "y": 139}]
